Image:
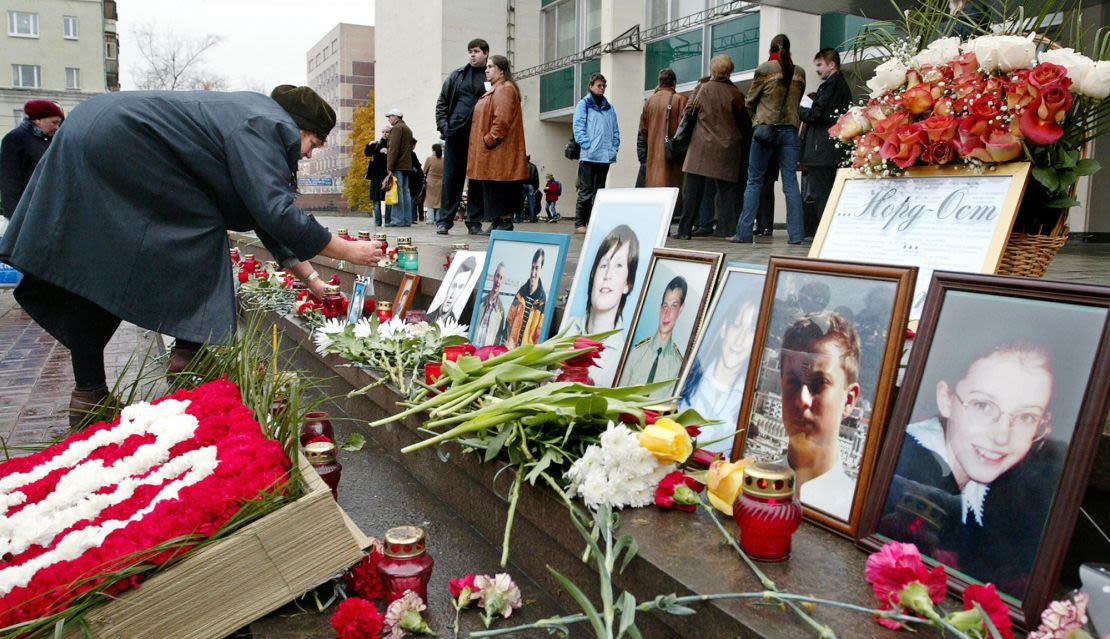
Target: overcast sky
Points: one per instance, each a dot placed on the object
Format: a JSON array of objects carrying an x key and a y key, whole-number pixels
[{"x": 265, "y": 41}]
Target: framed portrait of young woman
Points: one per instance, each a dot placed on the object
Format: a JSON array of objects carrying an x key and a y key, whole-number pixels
[
  {"x": 821, "y": 378},
  {"x": 992, "y": 441}
]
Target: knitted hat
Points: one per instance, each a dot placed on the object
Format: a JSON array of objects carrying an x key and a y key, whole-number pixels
[
  {"x": 39, "y": 109},
  {"x": 308, "y": 109}
]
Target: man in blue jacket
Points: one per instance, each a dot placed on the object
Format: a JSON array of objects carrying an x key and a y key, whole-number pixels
[{"x": 595, "y": 130}]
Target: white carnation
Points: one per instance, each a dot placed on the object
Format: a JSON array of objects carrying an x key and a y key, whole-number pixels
[
  {"x": 1003, "y": 52},
  {"x": 1077, "y": 64},
  {"x": 450, "y": 328},
  {"x": 363, "y": 329},
  {"x": 889, "y": 76},
  {"x": 937, "y": 53},
  {"x": 618, "y": 472}
]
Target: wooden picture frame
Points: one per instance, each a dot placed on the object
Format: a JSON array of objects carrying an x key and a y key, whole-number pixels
[
  {"x": 626, "y": 224},
  {"x": 952, "y": 218},
  {"x": 803, "y": 343},
  {"x": 514, "y": 252},
  {"x": 698, "y": 271},
  {"x": 977, "y": 324},
  {"x": 406, "y": 291},
  {"x": 724, "y": 343}
]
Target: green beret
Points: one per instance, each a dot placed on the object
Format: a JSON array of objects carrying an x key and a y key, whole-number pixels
[{"x": 308, "y": 109}]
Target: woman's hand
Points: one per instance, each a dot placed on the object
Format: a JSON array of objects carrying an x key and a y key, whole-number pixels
[{"x": 361, "y": 252}]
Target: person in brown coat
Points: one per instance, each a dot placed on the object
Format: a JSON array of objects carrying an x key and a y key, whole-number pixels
[
  {"x": 398, "y": 164},
  {"x": 716, "y": 150},
  {"x": 497, "y": 163},
  {"x": 433, "y": 183},
  {"x": 654, "y": 129}
]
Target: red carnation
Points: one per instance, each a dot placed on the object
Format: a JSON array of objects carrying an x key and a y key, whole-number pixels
[
  {"x": 678, "y": 491},
  {"x": 900, "y": 580},
  {"x": 456, "y": 586},
  {"x": 363, "y": 578},
  {"x": 988, "y": 599},
  {"x": 357, "y": 618},
  {"x": 335, "y": 279}
]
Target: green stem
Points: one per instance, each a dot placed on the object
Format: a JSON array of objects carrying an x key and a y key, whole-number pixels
[{"x": 513, "y": 499}]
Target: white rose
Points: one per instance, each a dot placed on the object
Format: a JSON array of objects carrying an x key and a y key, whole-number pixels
[
  {"x": 889, "y": 76},
  {"x": 1077, "y": 64},
  {"x": 937, "y": 53},
  {"x": 1003, "y": 52},
  {"x": 1096, "y": 84}
]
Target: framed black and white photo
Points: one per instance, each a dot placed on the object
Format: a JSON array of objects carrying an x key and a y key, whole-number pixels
[
  {"x": 457, "y": 287},
  {"x": 994, "y": 434},
  {"x": 821, "y": 378}
]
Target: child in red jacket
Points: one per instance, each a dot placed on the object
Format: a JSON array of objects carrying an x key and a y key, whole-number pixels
[{"x": 551, "y": 191}]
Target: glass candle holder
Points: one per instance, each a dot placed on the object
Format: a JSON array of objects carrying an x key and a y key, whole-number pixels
[
  {"x": 385, "y": 311},
  {"x": 406, "y": 564},
  {"x": 383, "y": 238},
  {"x": 343, "y": 234},
  {"x": 332, "y": 301},
  {"x": 767, "y": 512},
  {"x": 364, "y": 235},
  {"x": 322, "y": 457},
  {"x": 316, "y": 424},
  {"x": 235, "y": 257},
  {"x": 454, "y": 352},
  {"x": 432, "y": 372}
]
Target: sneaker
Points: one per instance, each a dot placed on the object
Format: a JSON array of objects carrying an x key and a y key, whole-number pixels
[
  {"x": 441, "y": 230},
  {"x": 579, "y": 229}
]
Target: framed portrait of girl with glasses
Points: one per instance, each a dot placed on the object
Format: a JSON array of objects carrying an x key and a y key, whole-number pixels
[{"x": 993, "y": 435}]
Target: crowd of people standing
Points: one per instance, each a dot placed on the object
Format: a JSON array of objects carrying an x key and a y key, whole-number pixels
[{"x": 739, "y": 145}]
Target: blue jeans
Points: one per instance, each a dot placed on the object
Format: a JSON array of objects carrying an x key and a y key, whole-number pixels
[
  {"x": 551, "y": 212},
  {"x": 377, "y": 213},
  {"x": 529, "y": 204},
  {"x": 402, "y": 211},
  {"x": 789, "y": 149}
]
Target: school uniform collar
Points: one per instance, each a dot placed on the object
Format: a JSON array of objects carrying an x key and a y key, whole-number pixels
[{"x": 930, "y": 435}]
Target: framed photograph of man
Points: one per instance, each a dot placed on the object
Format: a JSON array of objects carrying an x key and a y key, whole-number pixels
[
  {"x": 457, "y": 287},
  {"x": 665, "y": 325},
  {"x": 626, "y": 224},
  {"x": 406, "y": 291},
  {"x": 994, "y": 435},
  {"x": 712, "y": 382},
  {"x": 518, "y": 288},
  {"x": 821, "y": 378}
]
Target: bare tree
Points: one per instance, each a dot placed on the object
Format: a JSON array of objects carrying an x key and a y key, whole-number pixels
[{"x": 174, "y": 61}]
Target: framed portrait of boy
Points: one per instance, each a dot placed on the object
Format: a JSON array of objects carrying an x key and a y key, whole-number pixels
[
  {"x": 457, "y": 287},
  {"x": 712, "y": 382},
  {"x": 994, "y": 434},
  {"x": 625, "y": 225},
  {"x": 670, "y": 310},
  {"x": 406, "y": 291},
  {"x": 518, "y": 288},
  {"x": 821, "y": 378}
]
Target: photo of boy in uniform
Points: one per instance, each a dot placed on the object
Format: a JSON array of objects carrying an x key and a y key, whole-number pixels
[{"x": 657, "y": 358}]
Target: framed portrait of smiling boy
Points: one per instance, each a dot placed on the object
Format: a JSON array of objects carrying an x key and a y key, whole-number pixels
[
  {"x": 994, "y": 434},
  {"x": 821, "y": 378},
  {"x": 950, "y": 218}
]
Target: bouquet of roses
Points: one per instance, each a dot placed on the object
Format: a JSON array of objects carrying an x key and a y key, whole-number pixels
[
  {"x": 997, "y": 97},
  {"x": 395, "y": 348}
]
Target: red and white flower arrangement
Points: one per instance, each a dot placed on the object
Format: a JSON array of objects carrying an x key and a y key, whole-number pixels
[{"x": 78, "y": 512}]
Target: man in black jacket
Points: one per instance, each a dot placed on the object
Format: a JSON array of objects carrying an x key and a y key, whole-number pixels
[
  {"x": 22, "y": 149},
  {"x": 820, "y": 155},
  {"x": 454, "y": 109}
]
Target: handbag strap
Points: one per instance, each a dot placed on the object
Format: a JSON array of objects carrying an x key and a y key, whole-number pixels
[{"x": 667, "y": 125}]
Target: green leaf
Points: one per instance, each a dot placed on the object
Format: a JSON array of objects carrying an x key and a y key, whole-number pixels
[
  {"x": 1087, "y": 166},
  {"x": 549, "y": 456},
  {"x": 1067, "y": 178},
  {"x": 1062, "y": 202},
  {"x": 632, "y": 549},
  {"x": 634, "y": 633},
  {"x": 584, "y": 603},
  {"x": 627, "y": 606},
  {"x": 1047, "y": 176},
  {"x": 354, "y": 442},
  {"x": 995, "y": 634},
  {"x": 497, "y": 443},
  {"x": 1068, "y": 159},
  {"x": 59, "y": 629},
  {"x": 592, "y": 405}
]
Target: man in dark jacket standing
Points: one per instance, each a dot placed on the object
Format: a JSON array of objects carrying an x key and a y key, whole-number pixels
[
  {"x": 529, "y": 212},
  {"x": 820, "y": 155},
  {"x": 454, "y": 109},
  {"x": 147, "y": 242},
  {"x": 398, "y": 166},
  {"x": 375, "y": 173},
  {"x": 22, "y": 149}
]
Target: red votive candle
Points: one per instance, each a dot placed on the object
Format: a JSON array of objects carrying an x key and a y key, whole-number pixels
[
  {"x": 385, "y": 311},
  {"x": 767, "y": 512},
  {"x": 454, "y": 352},
  {"x": 406, "y": 565},
  {"x": 432, "y": 372}
]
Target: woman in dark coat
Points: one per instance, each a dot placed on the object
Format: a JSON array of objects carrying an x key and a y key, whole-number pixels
[
  {"x": 716, "y": 151},
  {"x": 375, "y": 173},
  {"x": 127, "y": 217},
  {"x": 22, "y": 149}
]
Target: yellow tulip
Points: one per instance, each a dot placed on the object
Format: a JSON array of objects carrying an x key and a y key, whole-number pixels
[
  {"x": 724, "y": 481},
  {"x": 667, "y": 440}
]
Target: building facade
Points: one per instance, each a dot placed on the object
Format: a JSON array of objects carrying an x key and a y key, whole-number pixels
[
  {"x": 60, "y": 50},
  {"x": 340, "y": 67},
  {"x": 554, "y": 46}
]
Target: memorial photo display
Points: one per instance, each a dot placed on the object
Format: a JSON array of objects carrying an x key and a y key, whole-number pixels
[
  {"x": 821, "y": 378},
  {"x": 406, "y": 291},
  {"x": 518, "y": 288},
  {"x": 992, "y": 441},
  {"x": 668, "y": 315},
  {"x": 457, "y": 287},
  {"x": 950, "y": 218},
  {"x": 714, "y": 377},
  {"x": 625, "y": 225}
]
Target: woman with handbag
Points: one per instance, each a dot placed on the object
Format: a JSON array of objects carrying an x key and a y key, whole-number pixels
[
  {"x": 775, "y": 98},
  {"x": 497, "y": 163},
  {"x": 658, "y": 123},
  {"x": 716, "y": 149},
  {"x": 597, "y": 138}
]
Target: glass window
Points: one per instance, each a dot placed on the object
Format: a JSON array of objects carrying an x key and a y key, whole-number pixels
[
  {"x": 69, "y": 27},
  {"x": 557, "y": 90},
  {"x": 593, "y": 23},
  {"x": 681, "y": 53},
  {"x": 683, "y": 8},
  {"x": 73, "y": 78},
  {"x": 23, "y": 23},
  {"x": 26, "y": 76},
  {"x": 657, "y": 12},
  {"x": 110, "y": 49},
  {"x": 664, "y": 11},
  {"x": 739, "y": 38},
  {"x": 588, "y": 68},
  {"x": 565, "y": 30},
  {"x": 549, "y": 34}
]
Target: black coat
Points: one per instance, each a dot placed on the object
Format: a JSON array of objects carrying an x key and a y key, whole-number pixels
[
  {"x": 20, "y": 153},
  {"x": 375, "y": 169},
  {"x": 457, "y": 97},
  {"x": 833, "y": 98},
  {"x": 130, "y": 208}
]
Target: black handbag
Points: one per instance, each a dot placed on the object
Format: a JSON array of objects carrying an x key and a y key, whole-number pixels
[
  {"x": 675, "y": 146},
  {"x": 573, "y": 150}
]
